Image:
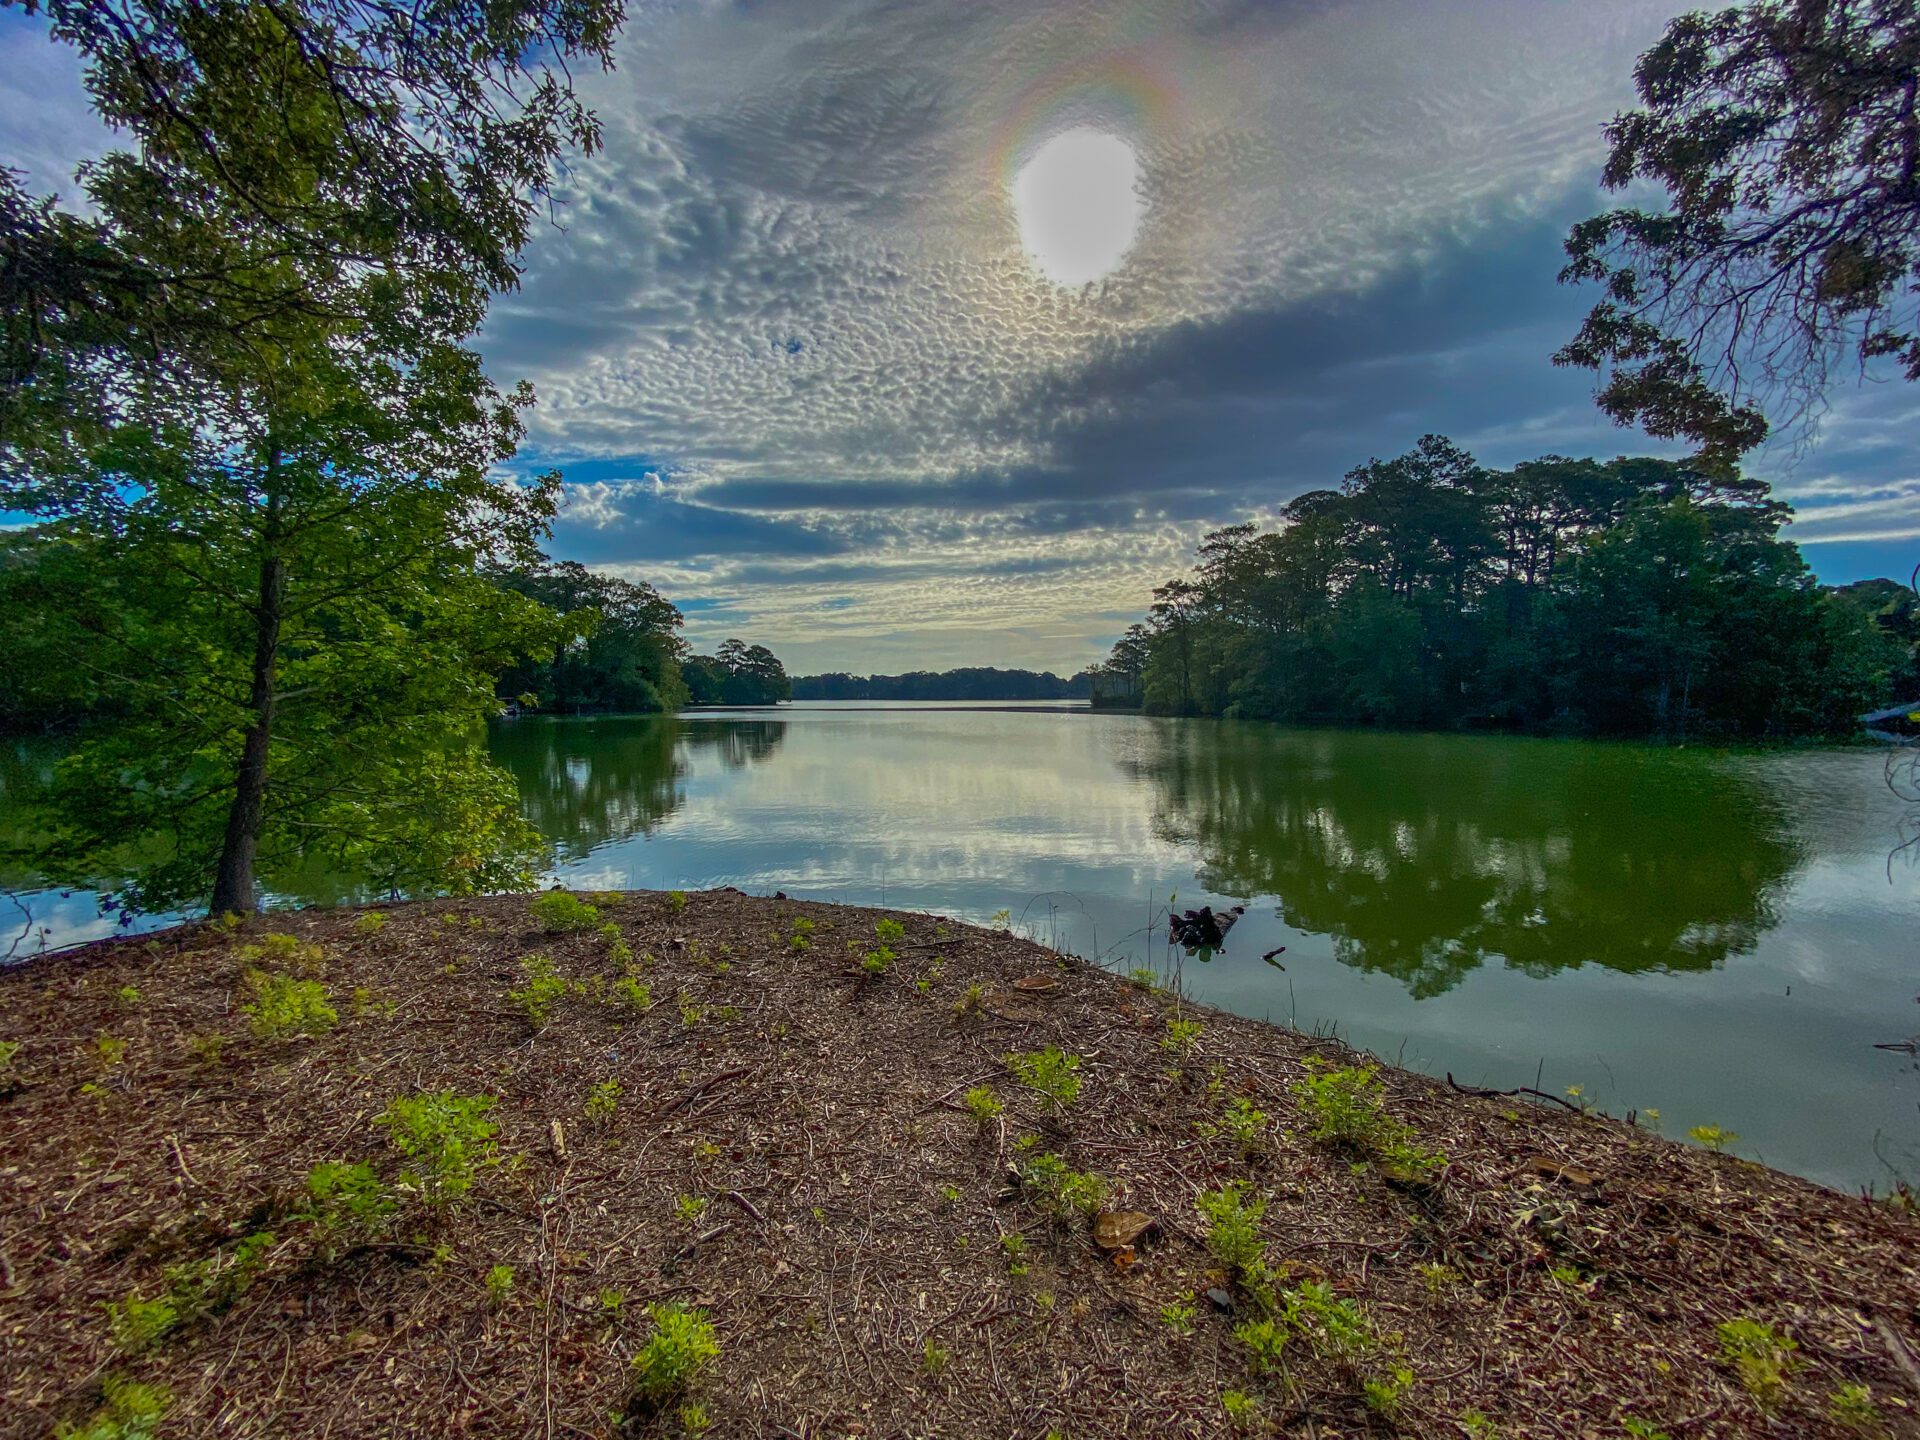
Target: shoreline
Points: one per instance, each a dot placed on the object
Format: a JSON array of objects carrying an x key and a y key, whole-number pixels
[{"x": 791, "y": 1151}]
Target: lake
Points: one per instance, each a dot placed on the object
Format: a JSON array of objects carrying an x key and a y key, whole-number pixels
[{"x": 1711, "y": 935}]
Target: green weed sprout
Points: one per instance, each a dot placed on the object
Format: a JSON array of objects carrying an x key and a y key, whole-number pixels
[
  {"x": 889, "y": 932},
  {"x": 632, "y": 993},
  {"x": 1713, "y": 1137},
  {"x": 499, "y": 1284},
  {"x": 603, "y": 1102},
  {"x": 875, "y": 962},
  {"x": 1181, "y": 1037},
  {"x": 1179, "y": 1315},
  {"x": 132, "y": 1412},
  {"x": 283, "y": 1006},
  {"x": 1052, "y": 1072},
  {"x": 138, "y": 1324},
  {"x": 544, "y": 988},
  {"x": 372, "y": 922},
  {"x": 1761, "y": 1356},
  {"x": 1343, "y": 1104},
  {"x": 983, "y": 1105},
  {"x": 681, "y": 1346},
  {"x": 1233, "y": 1228},
  {"x": 1063, "y": 1192},
  {"x": 562, "y": 913},
  {"x": 447, "y": 1137},
  {"x": 676, "y": 900}
]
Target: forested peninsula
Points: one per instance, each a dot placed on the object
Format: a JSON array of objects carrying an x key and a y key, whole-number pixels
[{"x": 1633, "y": 597}]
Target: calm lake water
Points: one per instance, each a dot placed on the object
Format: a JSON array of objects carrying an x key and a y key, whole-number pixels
[{"x": 1711, "y": 935}]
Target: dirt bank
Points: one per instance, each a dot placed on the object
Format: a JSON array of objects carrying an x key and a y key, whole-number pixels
[{"x": 726, "y": 1110}]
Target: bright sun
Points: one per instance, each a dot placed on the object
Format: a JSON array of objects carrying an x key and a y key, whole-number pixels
[{"x": 1078, "y": 204}]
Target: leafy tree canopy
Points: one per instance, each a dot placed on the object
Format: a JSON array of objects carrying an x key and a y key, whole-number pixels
[{"x": 1785, "y": 136}]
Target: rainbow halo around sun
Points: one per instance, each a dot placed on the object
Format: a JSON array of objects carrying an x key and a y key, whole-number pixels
[{"x": 1077, "y": 199}]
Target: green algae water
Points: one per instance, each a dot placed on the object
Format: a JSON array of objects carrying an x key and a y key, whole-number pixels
[{"x": 1716, "y": 936}]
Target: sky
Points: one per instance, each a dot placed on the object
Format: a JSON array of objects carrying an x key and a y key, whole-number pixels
[{"x": 904, "y": 334}]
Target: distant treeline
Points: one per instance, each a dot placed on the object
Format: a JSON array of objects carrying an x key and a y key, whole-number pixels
[
  {"x": 970, "y": 683},
  {"x": 1627, "y": 597}
]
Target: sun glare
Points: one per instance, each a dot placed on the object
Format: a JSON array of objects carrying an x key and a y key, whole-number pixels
[{"x": 1078, "y": 202}]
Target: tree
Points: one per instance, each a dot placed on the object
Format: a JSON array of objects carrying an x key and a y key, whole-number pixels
[
  {"x": 622, "y": 652},
  {"x": 242, "y": 383},
  {"x": 1786, "y": 135}
]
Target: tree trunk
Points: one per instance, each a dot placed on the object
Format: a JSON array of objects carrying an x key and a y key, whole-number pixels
[{"x": 233, "y": 880}]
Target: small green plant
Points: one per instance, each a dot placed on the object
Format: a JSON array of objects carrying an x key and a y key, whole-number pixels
[
  {"x": 1062, "y": 1191},
  {"x": 1384, "y": 1394},
  {"x": 951, "y": 1194},
  {"x": 1181, "y": 1037},
  {"x": 561, "y": 912},
  {"x": 1180, "y": 1316},
  {"x": 288, "y": 952},
  {"x": 1478, "y": 1426},
  {"x": 544, "y": 987},
  {"x": 499, "y": 1284},
  {"x": 1642, "y": 1429},
  {"x": 1335, "y": 1326},
  {"x": 632, "y": 994},
  {"x": 933, "y": 1359},
  {"x": 942, "y": 931},
  {"x": 136, "y": 1324},
  {"x": 8, "y": 1049},
  {"x": 1001, "y": 919},
  {"x": 676, "y": 900},
  {"x": 345, "y": 1202},
  {"x": 1265, "y": 1339},
  {"x": 1647, "y": 1119},
  {"x": 681, "y": 1346},
  {"x": 130, "y": 996},
  {"x": 1052, "y": 1072},
  {"x": 603, "y": 1102},
  {"x": 611, "y": 1303},
  {"x": 371, "y": 922},
  {"x": 695, "y": 1419},
  {"x": 889, "y": 932},
  {"x": 131, "y": 1412},
  {"x": 110, "y": 1050},
  {"x": 1239, "y": 1405},
  {"x": 1142, "y": 978},
  {"x": 801, "y": 934},
  {"x": 283, "y": 1006},
  {"x": 1343, "y": 1106},
  {"x": 1246, "y": 1123},
  {"x": 691, "y": 1011},
  {"x": 690, "y": 1208},
  {"x": 367, "y": 1003},
  {"x": 1713, "y": 1137},
  {"x": 875, "y": 962},
  {"x": 1436, "y": 1277},
  {"x": 1014, "y": 1245},
  {"x": 1233, "y": 1229},
  {"x": 446, "y": 1136},
  {"x": 983, "y": 1105},
  {"x": 972, "y": 1000},
  {"x": 621, "y": 953},
  {"x": 1853, "y": 1407},
  {"x": 1761, "y": 1356}
]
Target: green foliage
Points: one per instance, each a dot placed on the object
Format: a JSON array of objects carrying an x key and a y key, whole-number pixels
[
  {"x": 1853, "y": 1407},
  {"x": 137, "y": 1324},
  {"x": 1761, "y": 1356},
  {"x": 8, "y": 1049},
  {"x": 1181, "y": 1037},
  {"x": 603, "y": 1102},
  {"x": 1266, "y": 1341},
  {"x": 1642, "y": 1429},
  {"x": 560, "y": 912},
  {"x": 1239, "y": 1405},
  {"x": 1233, "y": 1229},
  {"x": 370, "y": 922},
  {"x": 983, "y": 1105},
  {"x": 676, "y": 900},
  {"x": 737, "y": 674},
  {"x": 544, "y": 988},
  {"x": 1428, "y": 590},
  {"x": 132, "y": 1411},
  {"x": 889, "y": 932},
  {"x": 690, "y": 1208},
  {"x": 1334, "y": 1325},
  {"x": 1385, "y": 1393},
  {"x": 933, "y": 1359},
  {"x": 1062, "y": 1191},
  {"x": 1713, "y": 1137},
  {"x": 694, "y": 1418},
  {"x": 972, "y": 1000},
  {"x": 681, "y": 1346},
  {"x": 1051, "y": 1072},
  {"x": 499, "y": 1283},
  {"x": 632, "y": 993},
  {"x": 875, "y": 962},
  {"x": 1344, "y": 1108},
  {"x": 289, "y": 952},
  {"x": 1014, "y": 1246},
  {"x": 130, "y": 996},
  {"x": 1246, "y": 1123},
  {"x": 1180, "y": 1316},
  {"x": 446, "y": 1138},
  {"x": 284, "y": 1006},
  {"x": 346, "y": 1202}
]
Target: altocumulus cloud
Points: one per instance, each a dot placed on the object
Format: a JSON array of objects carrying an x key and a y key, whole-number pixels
[{"x": 801, "y": 374}]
